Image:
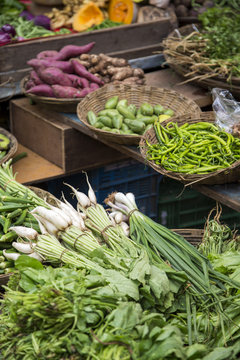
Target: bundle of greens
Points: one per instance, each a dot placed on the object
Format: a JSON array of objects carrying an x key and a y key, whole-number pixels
[{"x": 213, "y": 50}]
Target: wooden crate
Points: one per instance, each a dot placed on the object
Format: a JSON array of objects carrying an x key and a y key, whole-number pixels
[
  {"x": 127, "y": 41},
  {"x": 43, "y": 132}
]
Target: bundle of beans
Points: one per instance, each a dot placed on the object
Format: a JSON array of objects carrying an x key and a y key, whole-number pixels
[
  {"x": 114, "y": 70},
  {"x": 60, "y": 74}
]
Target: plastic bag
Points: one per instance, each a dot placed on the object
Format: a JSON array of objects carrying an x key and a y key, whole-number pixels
[{"x": 227, "y": 109}]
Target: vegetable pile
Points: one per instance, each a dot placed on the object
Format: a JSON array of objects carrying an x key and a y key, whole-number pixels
[
  {"x": 121, "y": 286},
  {"x": 59, "y": 74},
  {"x": 114, "y": 70},
  {"x": 197, "y": 148},
  {"x": 18, "y": 24},
  {"x": 119, "y": 117},
  {"x": 211, "y": 52}
]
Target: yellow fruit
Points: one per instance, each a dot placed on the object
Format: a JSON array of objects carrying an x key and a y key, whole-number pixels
[{"x": 163, "y": 117}]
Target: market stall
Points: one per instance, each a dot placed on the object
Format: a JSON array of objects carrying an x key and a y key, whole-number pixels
[{"x": 106, "y": 132}]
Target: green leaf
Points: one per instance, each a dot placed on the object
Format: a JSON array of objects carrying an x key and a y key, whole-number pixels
[
  {"x": 140, "y": 268},
  {"x": 159, "y": 282},
  {"x": 25, "y": 261},
  {"x": 221, "y": 353}
]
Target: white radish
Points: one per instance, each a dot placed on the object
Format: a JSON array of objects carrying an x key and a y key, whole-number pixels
[
  {"x": 11, "y": 256},
  {"x": 23, "y": 231},
  {"x": 91, "y": 193},
  {"x": 69, "y": 209},
  {"x": 26, "y": 248},
  {"x": 50, "y": 227},
  {"x": 62, "y": 213},
  {"x": 81, "y": 197},
  {"x": 51, "y": 217},
  {"x": 35, "y": 255}
]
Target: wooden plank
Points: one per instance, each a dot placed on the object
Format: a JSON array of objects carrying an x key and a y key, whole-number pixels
[
  {"x": 120, "y": 38},
  {"x": 168, "y": 79},
  {"x": 34, "y": 168},
  {"x": 227, "y": 194}
]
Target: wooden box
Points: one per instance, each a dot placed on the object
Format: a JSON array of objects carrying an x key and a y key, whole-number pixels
[
  {"x": 127, "y": 41},
  {"x": 43, "y": 132}
]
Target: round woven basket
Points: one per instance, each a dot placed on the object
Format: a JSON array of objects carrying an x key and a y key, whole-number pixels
[
  {"x": 223, "y": 176},
  {"x": 136, "y": 95},
  {"x": 193, "y": 236},
  {"x": 55, "y": 104},
  {"x": 183, "y": 70},
  {"x": 12, "y": 147}
]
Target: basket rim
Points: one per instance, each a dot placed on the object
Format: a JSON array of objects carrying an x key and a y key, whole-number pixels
[
  {"x": 187, "y": 178},
  {"x": 13, "y": 145},
  {"x": 125, "y": 87},
  {"x": 46, "y": 99}
]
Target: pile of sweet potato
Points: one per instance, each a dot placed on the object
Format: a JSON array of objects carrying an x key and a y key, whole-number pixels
[{"x": 60, "y": 74}]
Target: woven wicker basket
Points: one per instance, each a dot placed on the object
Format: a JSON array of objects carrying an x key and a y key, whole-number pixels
[
  {"x": 135, "y": 95},
  {"x": 223, "y": 176},
  {"x": 51, "y": 199},
  {"x": 55, "y": 104},
  {"x": 183, "y": 70},
  {"x": 13, "y": 145},
  {"x": 194, "y": 236}
]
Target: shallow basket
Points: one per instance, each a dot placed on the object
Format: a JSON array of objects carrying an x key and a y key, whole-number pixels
[
  {"x": 135, "y": 95},
  {"x": 52, "y": 200},
  {"x": 55, "y": 104},
  {"x": 12, "y": 147},
  {"x": 183, "y": 70},
  {"x": 193, "y": 236},
  {"x": 223, "y": 176}
]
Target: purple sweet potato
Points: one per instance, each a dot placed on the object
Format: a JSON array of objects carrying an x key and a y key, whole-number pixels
[
  {"x": 65, "y": 66},
  {"x": 35, "y": 78},
  {"x": 82, "y": 71},
  {"x": 67, "y": 92},
  {"x": 47, "y": 54},
  {"x": 70, "y": 51},
  {"x": 29, "y": 84},
  {"x": 84, "y": 82},
  {"x": 41, "y": 90},
  {"x": 53, "y": 76},
  {"x": 94, "y": 86},
  {"x": 76, "y": 80}
]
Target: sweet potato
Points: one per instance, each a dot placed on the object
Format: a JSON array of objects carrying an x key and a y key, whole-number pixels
[
  {"x": 41, "y": 90},
  {"x": 35, "y": 78},
  {"x": 29, "y": 84},
  {"x": 67, "y": 92},
  {"x": 94, "y": 86},
  {"x": 53, "y": 76},
  {"x": 65, "y": 66},
  {"x": 70, "y": 51},
  {"x": 82, "y": 71},
  {"x": 84, "y": 82},
  {"x": 47, "y": 54},
  {"x": 76, "y": 80}
]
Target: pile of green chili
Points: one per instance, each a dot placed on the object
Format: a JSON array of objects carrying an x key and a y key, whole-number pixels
[{"x": 198, "y": 148}]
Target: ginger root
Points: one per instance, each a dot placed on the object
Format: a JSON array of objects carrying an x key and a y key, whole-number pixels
[{"x": 116, "y": 70}]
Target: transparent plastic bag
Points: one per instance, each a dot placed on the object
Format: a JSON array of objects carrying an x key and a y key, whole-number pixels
[
  {"x": 227, "y": 110},
  {"x": 160, "y": 3}
]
